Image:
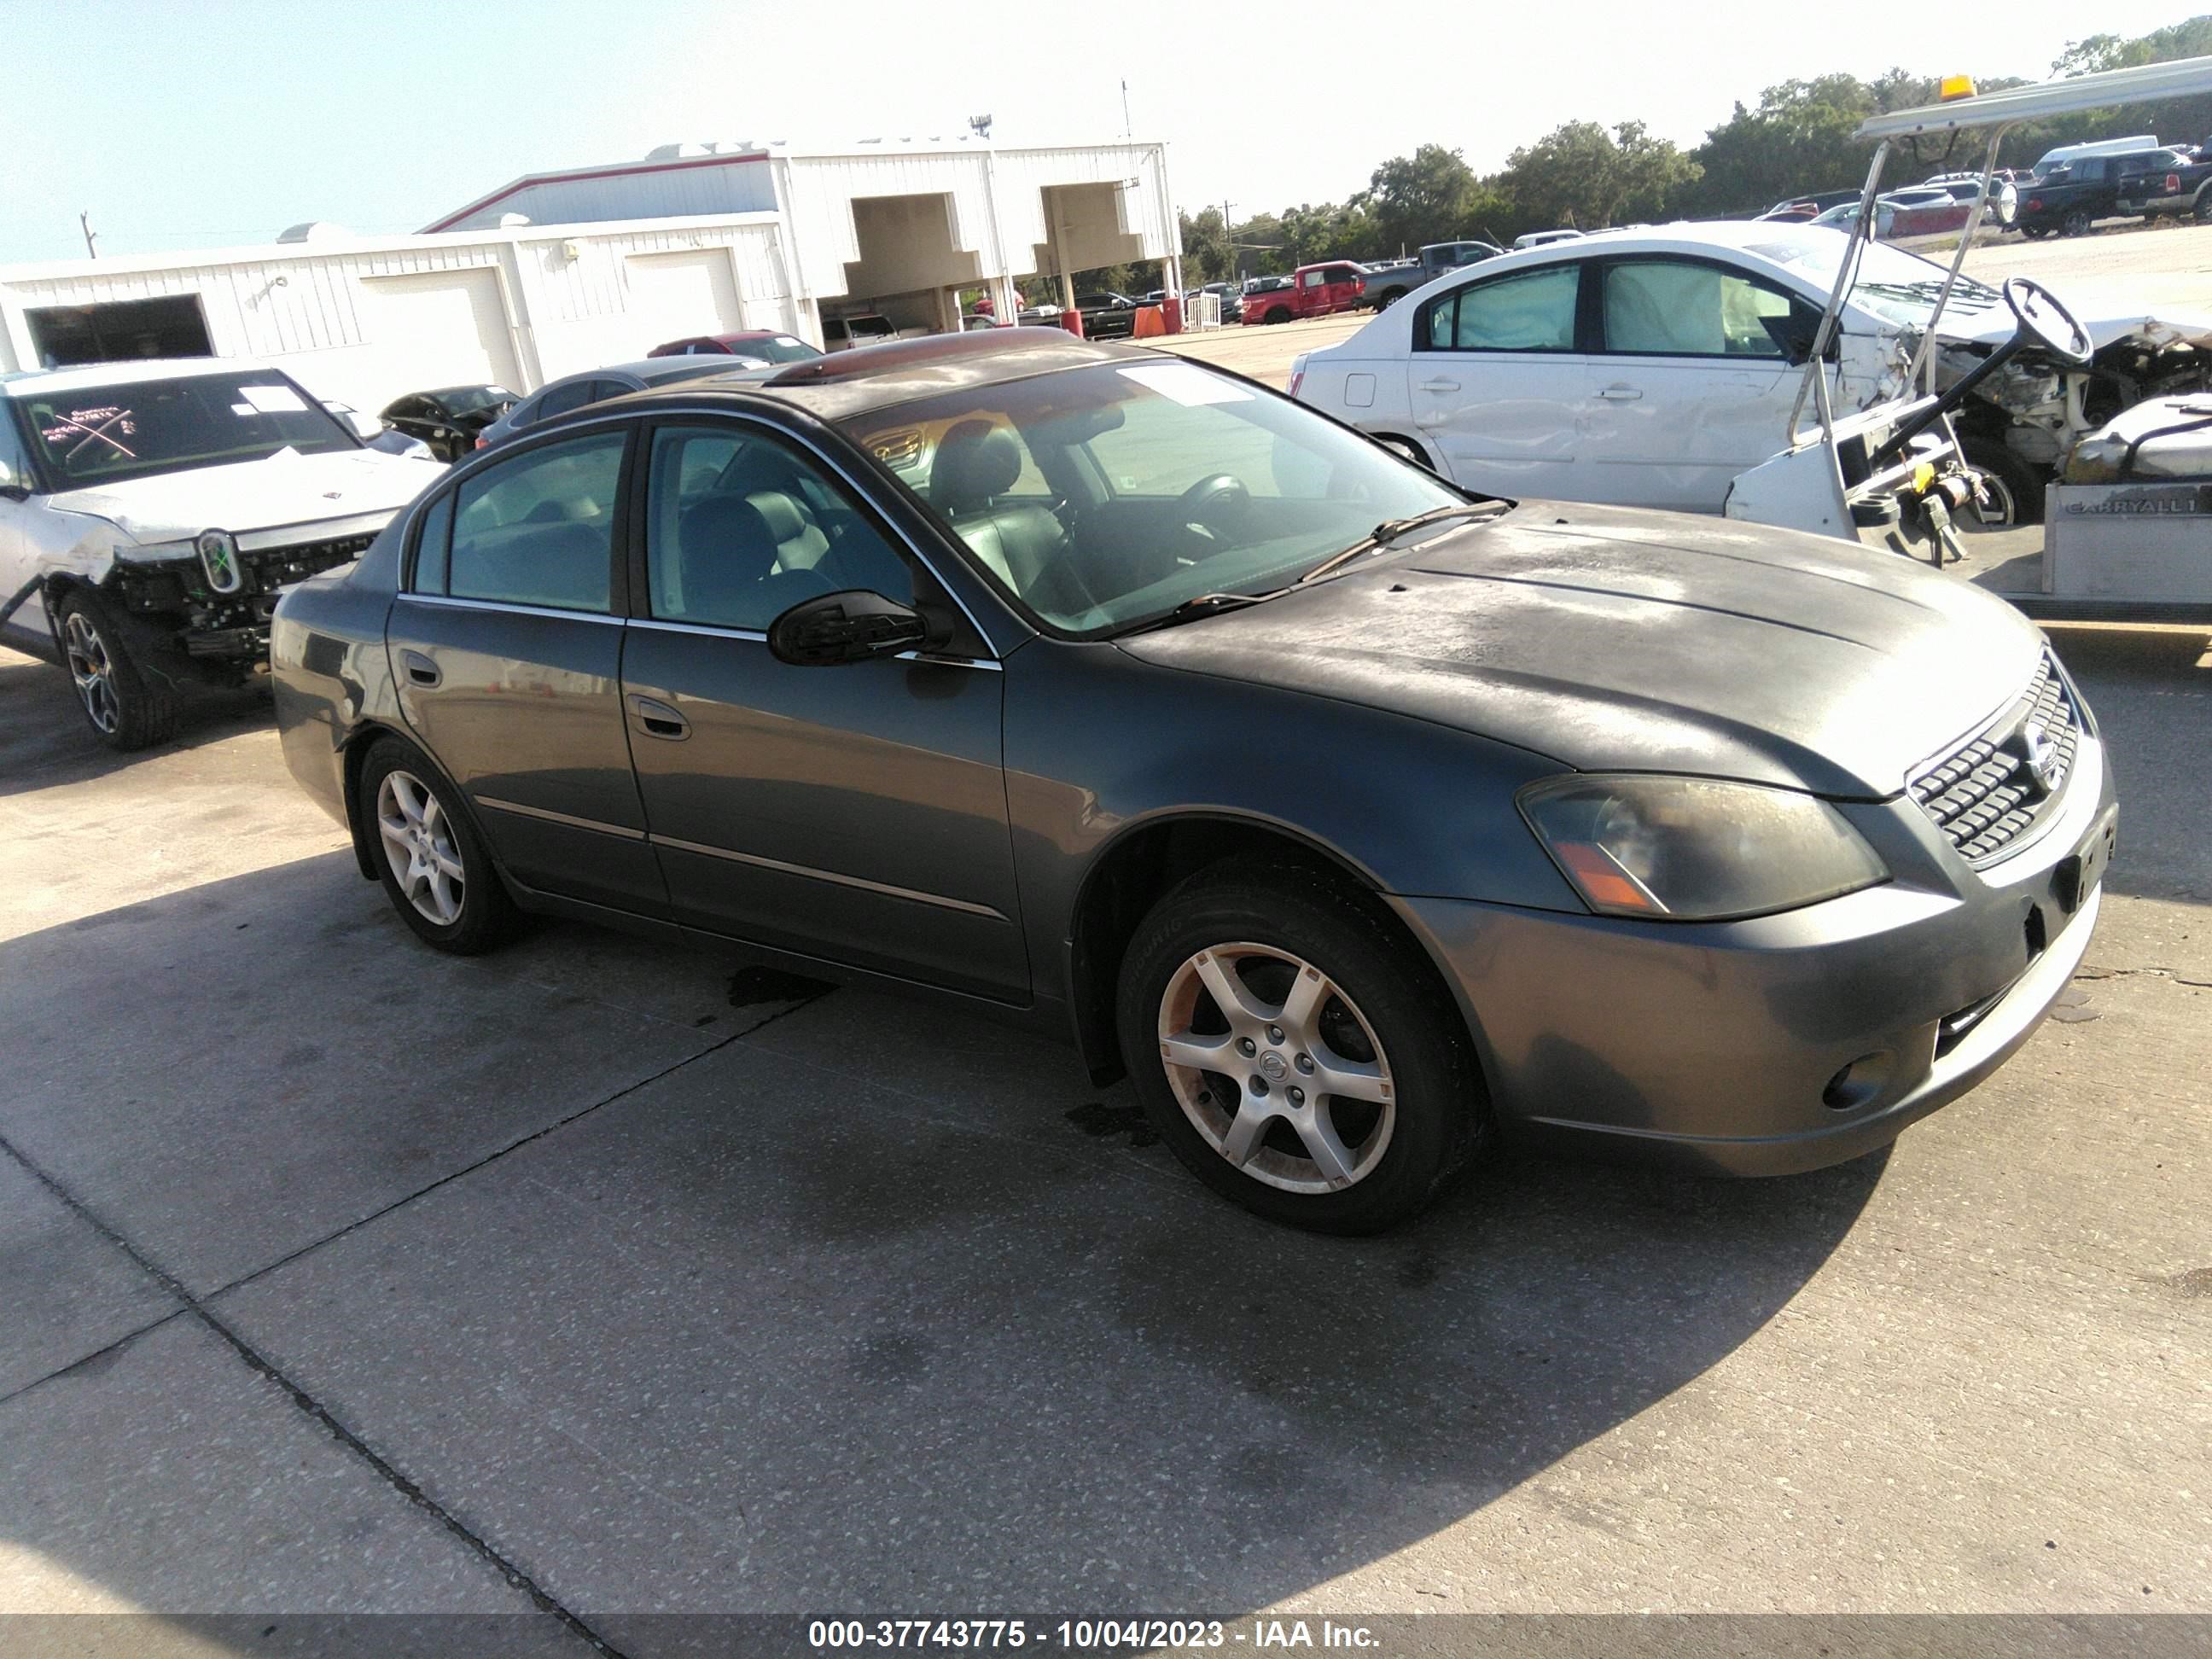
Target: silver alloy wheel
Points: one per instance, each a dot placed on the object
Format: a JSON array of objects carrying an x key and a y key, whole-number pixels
[
  {"x": 1254, "y": 1041},
  {"x": 89, "y": 666},
  {"x": 419, "y": 846}
]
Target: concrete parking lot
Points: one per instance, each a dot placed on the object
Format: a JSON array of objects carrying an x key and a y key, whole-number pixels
[
  {"x": 596, "y": 1280},
  {"x": 342, "y": 1276}
]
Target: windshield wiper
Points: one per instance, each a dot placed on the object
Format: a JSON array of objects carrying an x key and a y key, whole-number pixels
[
  {"x": 1202, "y": 604},
  {"x": 1388, "y": 532}
]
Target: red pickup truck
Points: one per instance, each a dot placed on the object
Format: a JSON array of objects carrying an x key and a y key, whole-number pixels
[{"x": 1315, "y": 291}]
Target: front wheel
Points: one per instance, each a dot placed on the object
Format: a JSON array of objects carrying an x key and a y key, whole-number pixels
[
  {"x": 130, "y": 704},
  {"x": 1291, "y": 1053}
]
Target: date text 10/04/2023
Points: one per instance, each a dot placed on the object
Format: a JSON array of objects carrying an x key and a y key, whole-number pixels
[{"x": 826, "y": 1635}]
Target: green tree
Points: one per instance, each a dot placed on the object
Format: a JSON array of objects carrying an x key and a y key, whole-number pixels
[
  {"x": 1431, "y": 196},
  {"x": 1581, "y": 175}
]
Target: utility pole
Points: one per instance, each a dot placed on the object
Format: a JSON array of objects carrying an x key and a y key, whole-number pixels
[{"x": 84, "y": 220}]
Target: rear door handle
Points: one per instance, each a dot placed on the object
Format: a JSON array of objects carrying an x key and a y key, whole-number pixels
[
  {"x": 420, "y": 669},
  {"x": 1619, "y": 394},
  {"x": 657, "y": 720},
  {"x": 1440, "y": 385}
]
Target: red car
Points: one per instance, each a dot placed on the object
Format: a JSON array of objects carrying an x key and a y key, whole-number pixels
[
  {"x": 765, "y": 345},
  {"x": 1315, "y": 291}
]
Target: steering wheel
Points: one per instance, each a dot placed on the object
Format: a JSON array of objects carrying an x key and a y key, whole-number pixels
[
  {"x": 2042, "y": 313},
  {"x": 1215, "y": 504}
]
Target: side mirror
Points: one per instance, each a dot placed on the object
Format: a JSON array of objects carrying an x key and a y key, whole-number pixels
[{"x": 831, "y": 629}]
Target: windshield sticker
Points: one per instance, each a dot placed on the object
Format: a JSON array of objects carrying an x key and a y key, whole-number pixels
[
  {"x": 1187, "y": 386},
  {"x": 243, "y": 410},
  {"x": 273, "y": 399},
  {"x": 96, "y": 431}
]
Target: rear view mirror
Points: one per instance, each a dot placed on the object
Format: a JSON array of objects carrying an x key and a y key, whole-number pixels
[{"x": 832, "y": 629}]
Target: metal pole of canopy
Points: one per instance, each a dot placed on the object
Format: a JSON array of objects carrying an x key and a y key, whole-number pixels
[
  {"x": 1831, "y": 317},
  {"x": 1923, "y": 352}
]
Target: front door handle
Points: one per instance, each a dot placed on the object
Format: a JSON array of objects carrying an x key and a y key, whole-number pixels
[
  {"x": 655, "y": 719},
  {"x": 1440, "y": 385},
  {"x": 420, "y": 669},
  {"x": 1619, "y": 394}
]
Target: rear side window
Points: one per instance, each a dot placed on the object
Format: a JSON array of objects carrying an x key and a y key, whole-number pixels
[
  {"x": 433, "y": 544},
  {"x": 538, "y": 530},
  {"x": 560, "y": 399},
  {"x": 1531, "y": 311}
]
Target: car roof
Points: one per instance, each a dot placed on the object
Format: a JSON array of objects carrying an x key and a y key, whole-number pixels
[
  {"x": 842, "y": 384},
  {"x": 35, "y": 382}
]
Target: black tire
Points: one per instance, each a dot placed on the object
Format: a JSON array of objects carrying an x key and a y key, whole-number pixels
[
  {"x": 2202, "y": 210},
  {"x": 2076, "y": 224},
  {"x": 129, "y": 702},
  {"x": 483, "y": 915},
  {"x": 1375, "y": 993},
  {"x": 1389, "y": 299},
  {"x": 2035, "y": 232},
  {"x": 2022, "y": 480}
]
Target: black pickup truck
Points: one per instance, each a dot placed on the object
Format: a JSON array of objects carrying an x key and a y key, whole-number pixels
[
  {"x": 2154, "y": 191},
  {"x": 2067, "y": 201}
]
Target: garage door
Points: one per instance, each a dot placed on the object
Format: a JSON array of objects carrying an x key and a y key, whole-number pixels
[
  {"x": 443, "y": 328},
  {"x": 673, "y": 294}
]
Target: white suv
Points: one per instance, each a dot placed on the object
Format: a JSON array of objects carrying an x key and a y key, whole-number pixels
[{"x": 149, "y": 511}]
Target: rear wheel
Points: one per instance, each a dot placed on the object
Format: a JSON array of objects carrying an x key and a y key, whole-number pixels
[
  {"x": 129, "y": 704},
  {"x": 433, "y": 868},
  {"x": 2077, "y": 223},
  {"x": 1288, "y": 1050},
  {"x": 2202, "y": 210}
]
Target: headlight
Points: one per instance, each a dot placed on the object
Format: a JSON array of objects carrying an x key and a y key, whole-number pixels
[{"x": 1696, "y": 849}]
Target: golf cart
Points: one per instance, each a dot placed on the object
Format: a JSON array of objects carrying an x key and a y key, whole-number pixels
[{"x": 2128, "y": 529}]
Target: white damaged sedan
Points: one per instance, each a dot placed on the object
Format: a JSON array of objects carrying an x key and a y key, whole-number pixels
[
  {"x": 1649, "y": 368},
  {"x": 149, "y": 512}
]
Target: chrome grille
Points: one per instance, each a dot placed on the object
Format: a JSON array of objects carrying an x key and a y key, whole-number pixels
[{"x": 1989, "y": 792}]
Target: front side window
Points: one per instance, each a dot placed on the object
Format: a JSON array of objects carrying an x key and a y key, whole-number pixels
[
  {"x": 1531, "y": 311},
  {"x": 1171, "y": 481},
  {"x": 740, "y": 527},
  {"x": 538, "y": 529},
  {"x": 99, "y": 434},
  {"x": 1678, "y": 308}
]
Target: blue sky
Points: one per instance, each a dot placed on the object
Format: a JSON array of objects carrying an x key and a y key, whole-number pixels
[{"x": 200, "y": 124}]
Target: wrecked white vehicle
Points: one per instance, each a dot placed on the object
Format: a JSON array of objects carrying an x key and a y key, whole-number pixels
[
  {"x": 150, "y": 511},
  {"x": 1649, "y": 368},
  {"x": 2120, "y": 402}
]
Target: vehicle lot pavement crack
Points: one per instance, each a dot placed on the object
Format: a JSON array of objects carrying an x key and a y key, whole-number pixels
[
  {"x": 256, "y": 1362},
  {"x": 2144, "y": 973},
  {"x": 514, "y": 1146},
  {"x": 96, "y": 1358}
]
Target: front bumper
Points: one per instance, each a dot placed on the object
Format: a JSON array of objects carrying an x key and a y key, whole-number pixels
[{"x": 1786, "y": 1042}]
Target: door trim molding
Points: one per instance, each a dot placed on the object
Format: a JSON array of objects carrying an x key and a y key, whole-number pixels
[
  {"x": 965, "y": 906},
  {"x": 551, "y": 816}
]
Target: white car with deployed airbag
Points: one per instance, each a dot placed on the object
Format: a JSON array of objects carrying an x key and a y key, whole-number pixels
[{"x": 1649, "y": 368}]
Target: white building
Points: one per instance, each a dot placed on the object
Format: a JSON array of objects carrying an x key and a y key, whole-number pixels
[{"x": 560, "y": 271}]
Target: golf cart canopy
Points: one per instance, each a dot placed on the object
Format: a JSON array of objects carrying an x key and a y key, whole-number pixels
[{"x": 2146, "y": 83}]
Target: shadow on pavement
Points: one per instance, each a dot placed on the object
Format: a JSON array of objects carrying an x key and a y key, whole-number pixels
[
  {"x": 870, "y": 1306},
  {"x": 45, "y": 741}
]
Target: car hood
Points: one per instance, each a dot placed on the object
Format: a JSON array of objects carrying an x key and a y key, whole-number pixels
[
  {"x": 286, "y": 489},
  {"x": 1608, "y": 639},
  {"x": 2106, "y": 325}
]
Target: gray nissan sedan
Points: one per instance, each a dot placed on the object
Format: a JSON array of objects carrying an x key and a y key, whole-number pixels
[{"x": 1361, "y": 821}]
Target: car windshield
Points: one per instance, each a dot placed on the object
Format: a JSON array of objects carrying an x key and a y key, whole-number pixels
[
  {"x": 1896, "y": 286},
  {"x": 133, "y": 430},
  {"x": 468, "y": 399},
  {"x": 1103, "y": 497}
]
